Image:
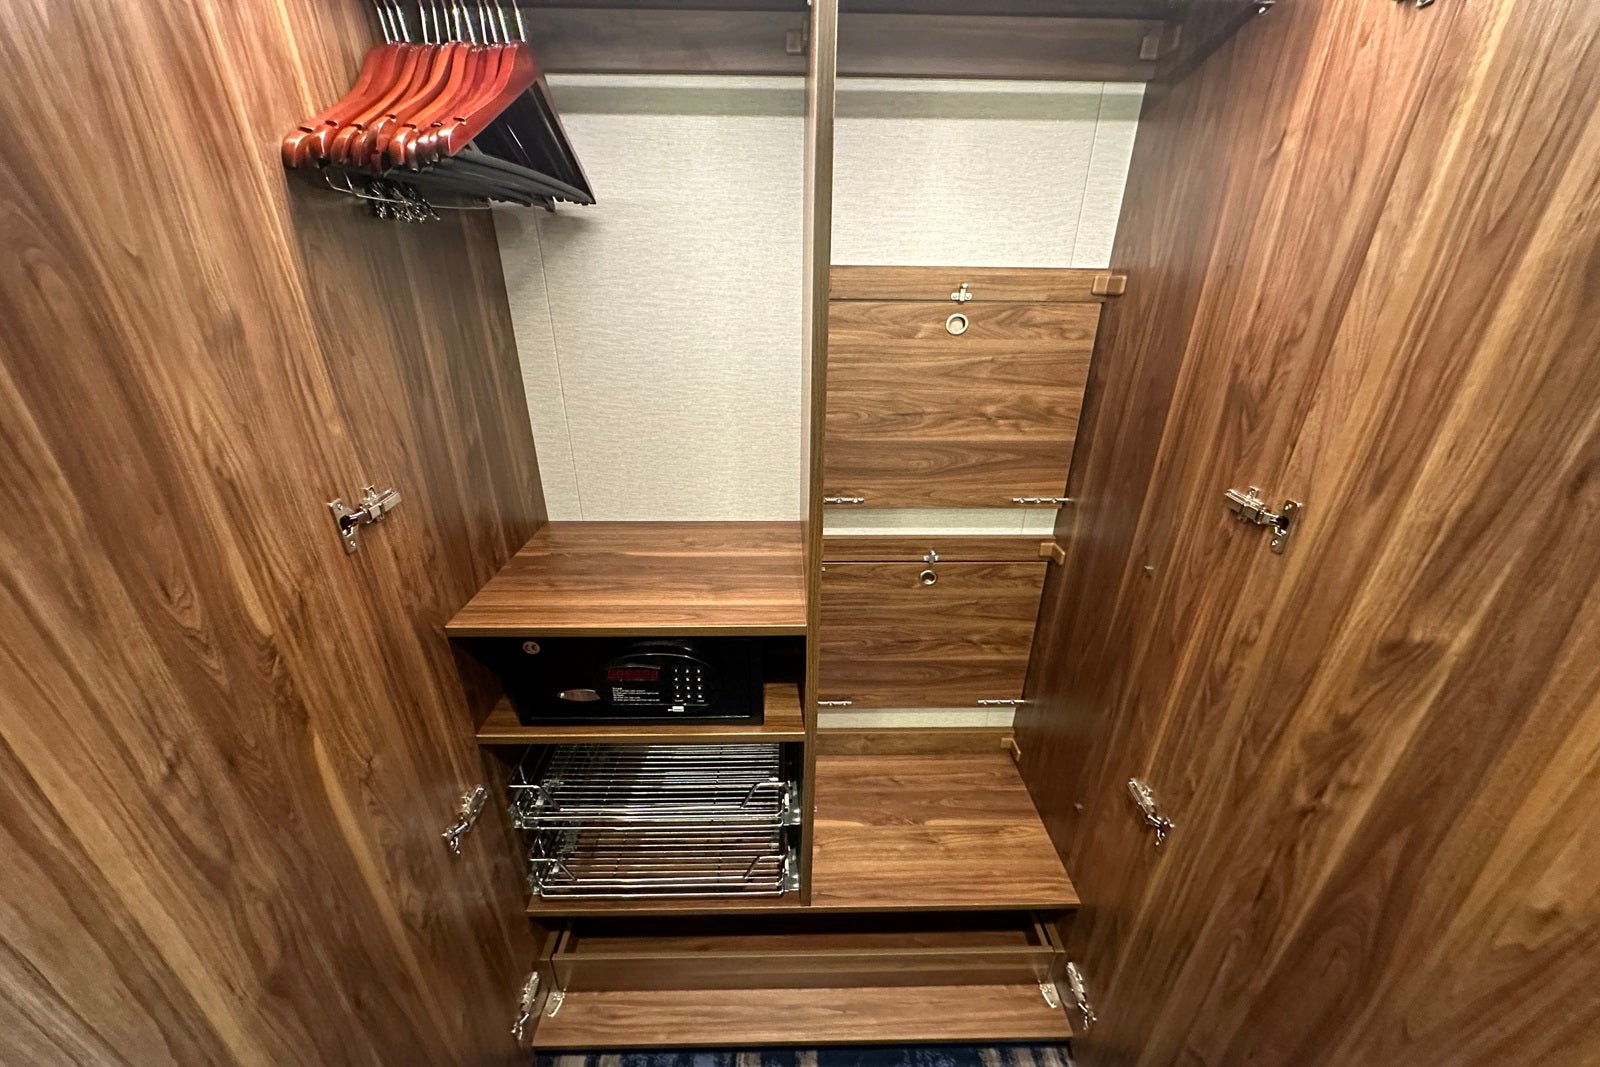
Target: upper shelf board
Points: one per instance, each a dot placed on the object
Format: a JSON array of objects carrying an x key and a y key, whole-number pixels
[{"x": 645, "y": 578}]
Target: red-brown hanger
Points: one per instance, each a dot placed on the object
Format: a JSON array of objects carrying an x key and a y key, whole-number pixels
[{"x": 378, "y": 71}]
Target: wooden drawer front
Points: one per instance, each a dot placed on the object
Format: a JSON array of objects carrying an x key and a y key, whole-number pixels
[
  {"x": 888, "y": 641},
  {"x": 918, "y": 418},
  {"x": 871, "y": 950}
]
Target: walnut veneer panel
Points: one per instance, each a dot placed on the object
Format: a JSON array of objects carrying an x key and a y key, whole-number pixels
[
  {"x": 805, "y": 1017},
  {"x": 227, "y": 748},
  {"x": 1363, "y": 244},
  {"x": 939, "y": 740},
  {"x": 1030, "y": 285},
  {"x": 687, "y": 578},
  {"x": 888, "y": 641},
  {"x": 952, "y": 548},
  {"x": 919, "y": 418},
  {"x": 931, "y": 832}
]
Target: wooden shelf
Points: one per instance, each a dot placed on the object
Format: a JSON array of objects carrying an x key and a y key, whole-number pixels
[
  {"x": 645, "y": 578},
  {"x": 783, "y": 722},
  {"x": 930, "y": 832},
  {"x": 752, "y": 1018},
  {"x": 902, "y": 833}
]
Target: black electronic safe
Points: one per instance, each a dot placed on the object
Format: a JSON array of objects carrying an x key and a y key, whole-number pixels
[{"x": 595, "y": 680}]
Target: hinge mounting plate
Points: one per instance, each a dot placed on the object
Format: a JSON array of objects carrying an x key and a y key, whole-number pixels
[
  {"x": 1079, "y": 991},
  {"x": 467, "y": 813},
  {"x": 1252, "y": 509},
  {"x": 374, "y": 506},
  {"x": 1145, "y": 800},
  {"x": 525, "y": 1006}
]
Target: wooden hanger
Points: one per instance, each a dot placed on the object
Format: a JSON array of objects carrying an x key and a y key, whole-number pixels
[{"x": 378, "y": 70}]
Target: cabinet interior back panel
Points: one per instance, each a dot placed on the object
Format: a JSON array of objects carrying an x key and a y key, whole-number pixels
[{"x": 659, "y": 331}]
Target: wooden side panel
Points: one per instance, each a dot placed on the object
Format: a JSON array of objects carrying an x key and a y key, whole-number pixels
[
  {"x": 227, "y": 749},
  {"x": 821, "y": 74},
  {"x": 890, "y": 641},
  {"x": 1362, "y": 244},
  {"x": 920, "y": 417}
]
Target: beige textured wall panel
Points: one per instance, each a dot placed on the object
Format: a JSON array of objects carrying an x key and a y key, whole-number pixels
[{"x": 660, "y": 330}]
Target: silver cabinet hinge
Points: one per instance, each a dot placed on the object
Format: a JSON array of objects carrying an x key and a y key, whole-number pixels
[
  {"x": 553, "y": 1002},
  {"x": 1080, "y": 997},
  {"x": 1001, "y": 703},
  {"x": 963, "y": 294},
  {"x": 374, "y": 506},
  {"x": 525, "y": 1005},
  {"x": 1051, "y": 995},
  {"x": 834, "y": 703},
  {"x": 1253, "y": 510},
  {"x": 1145, "y": 801},
  {"x": 844, "y": 500},
  {"x": 1051, "y": 501},
  {"x": 466, "y": 816}
]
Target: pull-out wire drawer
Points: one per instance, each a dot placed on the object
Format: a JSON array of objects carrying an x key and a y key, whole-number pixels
[{"x": 622, "y": 821}]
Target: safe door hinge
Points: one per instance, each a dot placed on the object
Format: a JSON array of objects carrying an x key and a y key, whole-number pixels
[
  {"x": 1145, "y": 801},
  {"x": 374, "y": 507},
  {"x": 466, "y": 817},
  {"x": 526, "y": 1004},
  {"x": 1253, "y": 510},
  {"x": 1079, "y": 991}
]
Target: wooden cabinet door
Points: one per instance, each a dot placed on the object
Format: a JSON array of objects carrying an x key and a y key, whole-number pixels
[
  {"x": 227, "y": 748},
  {"x": 920, "y": 417},
  {"x": 890, "y": 640},
  {"x": 1381, "y": 748}
]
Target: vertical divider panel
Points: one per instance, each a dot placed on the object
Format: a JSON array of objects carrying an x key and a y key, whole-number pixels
[{"x": 821, "y": 74}]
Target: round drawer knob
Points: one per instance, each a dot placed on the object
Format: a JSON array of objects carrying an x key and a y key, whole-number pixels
[
  {"x": 956, "y": 324},
  {"x": 927, "y": 577}
]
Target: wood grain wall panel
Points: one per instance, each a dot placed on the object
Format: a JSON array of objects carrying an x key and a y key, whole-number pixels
[
  {"x": 226, "y": 748},
  {"x": 888, "y": 641},
  {"x": 1368, "y": 290},
  {"x": 918, "y": 417}
]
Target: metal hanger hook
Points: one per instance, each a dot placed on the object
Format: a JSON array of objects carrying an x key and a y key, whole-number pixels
[
  {"x": 400, "y": 18},
  {"x": 383, "y": 21}
]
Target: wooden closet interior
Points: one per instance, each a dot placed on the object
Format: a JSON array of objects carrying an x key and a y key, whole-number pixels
[{"x": 1187, "y": 656}]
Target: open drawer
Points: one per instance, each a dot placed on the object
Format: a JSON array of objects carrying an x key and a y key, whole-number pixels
[
  {"x": 802, "y": 980},
  {"x": 798, "y": 952}
]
